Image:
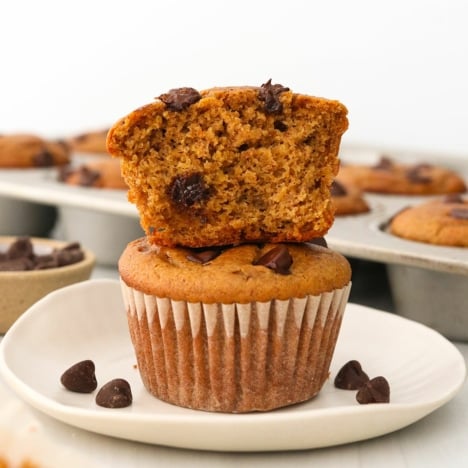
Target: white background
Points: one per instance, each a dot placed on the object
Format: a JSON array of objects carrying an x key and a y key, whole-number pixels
[{"x": 400, "y": 66}]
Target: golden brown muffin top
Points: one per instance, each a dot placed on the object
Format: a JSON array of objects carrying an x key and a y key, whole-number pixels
[
  {"x": 394, "y": 177},
  {"x": 102, "y": 173},
  {"x": 25, "y": 150},
  {"x": 441, "y": 222},
  {"x": 233, "y": 275}
]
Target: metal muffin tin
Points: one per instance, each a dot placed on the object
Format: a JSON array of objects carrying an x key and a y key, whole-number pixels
[{"x": 429, "y": 283}]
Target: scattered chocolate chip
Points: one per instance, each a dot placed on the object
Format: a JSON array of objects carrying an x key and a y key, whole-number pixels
[
  {"x": 243, "y": 147},
  {"x": 452, "y": 198},
  {"x": 385, "y": 164},
  {"x": 319, "y": 241},
  {"x": 80, "y": 377},
  {"x": 351, "y": 376},
  {"x": 376, "y": 390},
  {"x": 43, "y": 159},
  {"x": 21, "y": 247},
  {"x": 269, "y": 94},
  {"x": 277, "y": 259},
  {"x": 115, "y": 394},
  {"x": 203, "y": 256},
  {"x": 337, "y": 189},
  {"x": 418, "y": 174},
  {"x": 280, "y": 126},
  {"x": 188, "y": 189},
  {"x": 180, "y": 98},
  {"x": 459, "y": 213}
]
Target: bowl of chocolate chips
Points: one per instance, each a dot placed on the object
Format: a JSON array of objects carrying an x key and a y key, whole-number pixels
[{"x": 30, "y": 268}]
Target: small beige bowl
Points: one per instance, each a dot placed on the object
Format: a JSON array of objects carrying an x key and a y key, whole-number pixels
[{"x": 20, "y": 289}]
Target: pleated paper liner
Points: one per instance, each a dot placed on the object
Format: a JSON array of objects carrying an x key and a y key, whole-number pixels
[{"x": 234, "y": 357}]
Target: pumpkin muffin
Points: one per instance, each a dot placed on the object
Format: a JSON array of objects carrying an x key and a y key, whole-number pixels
[
  {"x": 441, "y": 222},
  {"x": 231, "y": 165},
  {"x": 392, "y": 177},
  {"x": 101, "y": 173},
  {"x": 348, "y": 200},
  {"x": 89, "y": 142},
  {"x": 31, "y": 151},
  {"x": 234, "y": 329}
]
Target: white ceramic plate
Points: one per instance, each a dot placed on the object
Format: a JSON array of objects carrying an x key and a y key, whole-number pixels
[{"x": 87, "y": 321}]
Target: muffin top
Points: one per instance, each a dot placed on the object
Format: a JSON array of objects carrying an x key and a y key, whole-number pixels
[
  {"x": 31, "y": 151},
  {"x": 347, "y": 199},
  {"x": 441, "y": 222},
  {"x": 101, "y": 173},
  {"x": 241, "y": 274},
  {"x": 393, "y": 177}
]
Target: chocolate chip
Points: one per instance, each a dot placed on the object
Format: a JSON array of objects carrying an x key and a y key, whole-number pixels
[
  {"x": 277, "y": 259},
  {"x": 203, "y": 256},
  {"x": 280, "y": 126},
  {"x": 243, "y": 147},
  {"x": 376, "y": 390},
  {"x": 459, "y": 213},
  {"x": 418, "y": 174},
  {"x": 188, "y": 189},
  {"x": 269, "y": 94},
  {"x": 43, "y": 159},
  {"x": 337, "y": 189},
  {"x": 87, "y": 177},
  {"x": 115, "y": 394},
  {"x": 384, "y": 164},
  {"x": 80, "y": 377},
  {"x": 180, "y": 98},
  {"x": 16, "y": 264},
  {"x": 21, "y": 247},
  {"x": 20, "y": 256},
  {"x": 351, "y": 376},
  {"x": 319, "y": 241}
]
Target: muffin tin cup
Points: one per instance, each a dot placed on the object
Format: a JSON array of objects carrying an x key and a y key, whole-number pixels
[
  {"x": 426, "y": 281},
  {"x": 234, "y": 357}
]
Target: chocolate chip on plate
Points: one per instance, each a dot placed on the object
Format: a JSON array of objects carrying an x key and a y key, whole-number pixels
[
  {"x": 376, "y": 390},
  {"x": 418, "y": 174},
  {"x": 115, "y": 394},
  {"x": 180, "y": 98},
  {"x": 319, "y": 241},
  {"x": 277, "y": 259},
  {"x": 80, "y": 377},
  {"x": 351, "y": 376}
]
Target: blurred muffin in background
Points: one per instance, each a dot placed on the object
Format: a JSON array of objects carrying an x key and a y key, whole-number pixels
[
  {"x": 98, "y": 173},
  {"x": 347, "y": 199},
  {"x": 388, "y": 176},
  {"x": 89, "y": 142},
  {"x": 31, "y": 151}
]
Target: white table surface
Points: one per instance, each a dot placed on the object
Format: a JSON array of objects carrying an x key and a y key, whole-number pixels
[{"x": 439, "y": 439}]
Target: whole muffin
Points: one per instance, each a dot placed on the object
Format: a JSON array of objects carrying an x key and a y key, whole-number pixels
[
  {"x": 93, "y": 141},
  {"x": 231, "y": 165},
  {"x": 235, "y": 329},
  {"x": 347, "y": 200},
  {"x": 31, "y": 151},
  {"x": 440, "y": 222},
  {"x": 392, "y": 177},
  {"x": 102, "y": 173}
]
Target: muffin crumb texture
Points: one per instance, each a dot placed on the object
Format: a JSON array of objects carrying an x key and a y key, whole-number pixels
[{"x": 231, "y": 165}]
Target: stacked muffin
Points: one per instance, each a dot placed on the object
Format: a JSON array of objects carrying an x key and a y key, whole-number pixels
[{"x": 231, "y": 304}]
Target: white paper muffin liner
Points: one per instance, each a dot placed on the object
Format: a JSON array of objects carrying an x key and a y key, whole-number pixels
[{"x": 234, "y": 357}]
